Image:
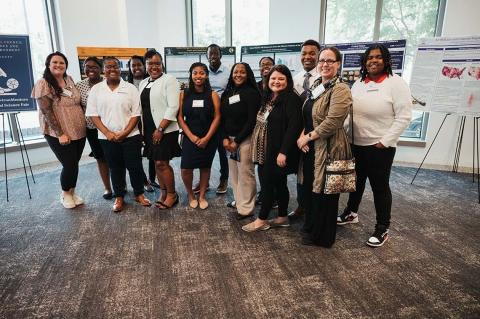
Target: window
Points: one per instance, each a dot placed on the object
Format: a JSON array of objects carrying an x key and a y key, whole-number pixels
[
  {"x": 347, "y": 21},
  {"x": 249, "y": 22},
  {"x": 28, "y": 17},
  {"x": 208, "y": 22}
]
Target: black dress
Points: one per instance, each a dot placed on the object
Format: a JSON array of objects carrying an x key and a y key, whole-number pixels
[
  {"x": 198, "y": 119},
  {"x": 168, "y": 147}
]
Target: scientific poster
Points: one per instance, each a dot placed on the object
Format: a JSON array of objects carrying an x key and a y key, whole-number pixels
[
  {"x": 16, "y": 75},
  {"x": 446, "y": 75}
]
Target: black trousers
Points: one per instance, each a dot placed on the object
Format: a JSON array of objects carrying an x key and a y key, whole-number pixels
[
  {"x": 274, "y": 186},
  {"x": 69, "y": 156},
  {"x": 375, "y": 164},
  {"x": 222, "y": 155},
  {"x": 126, "y": 154},
  {"x": 320, "y": 209}
]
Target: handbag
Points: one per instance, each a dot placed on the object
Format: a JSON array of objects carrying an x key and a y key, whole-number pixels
[{"x": 340, "y": 176}]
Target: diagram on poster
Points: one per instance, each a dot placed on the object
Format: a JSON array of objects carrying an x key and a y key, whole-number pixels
[{"x": 446, "y": 75}]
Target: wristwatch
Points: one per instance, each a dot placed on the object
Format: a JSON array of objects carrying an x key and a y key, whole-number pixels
[{"x": 160, "y": 129}]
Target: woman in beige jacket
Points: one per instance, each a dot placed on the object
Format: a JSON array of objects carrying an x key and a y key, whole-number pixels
[{"x": 323, "y": 113}]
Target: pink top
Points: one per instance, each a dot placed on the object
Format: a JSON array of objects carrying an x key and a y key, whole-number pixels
[{"x": 67, "y": 109}]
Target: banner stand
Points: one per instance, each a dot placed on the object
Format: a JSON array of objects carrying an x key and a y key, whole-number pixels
[{"x": 24, "y": 149}]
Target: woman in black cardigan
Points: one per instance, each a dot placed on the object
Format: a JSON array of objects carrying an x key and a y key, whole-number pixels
[
  {"x": 279, "y": 122},
  {"x": 239, "y": 105}
]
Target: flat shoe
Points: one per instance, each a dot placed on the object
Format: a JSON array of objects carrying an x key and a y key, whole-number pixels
[
  {"x": 165, "y": 206},
  {"x": 203, "y": 204},
  {"x": 242, "y": 217},
  {"x": 232, "y": 204},
  {"x": 118, "y": 205},
  {"x": 107, "y": 195},
  {"x": 250, "y": 228},
  {"x": 143, "y": 201},
  {"x": 193, "y": 203}
]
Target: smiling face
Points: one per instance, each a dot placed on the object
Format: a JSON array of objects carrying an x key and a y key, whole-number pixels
[
  {"x": 277, "y": 82},
  {"x": 92, "y": 70},
  {"x": 199, "y": 76},
  {"x": 375, "y": 64},
  {"x": 57, "y": 66},
  {"x": 265, "y": 67},
  {"x": 111, "y": 70},
  {"x": 309, "y": 57},
  {"x": 239, "y": 75},
  {"x": 137, "y": 68},
  {"x": 154, "y": 66},
  {"x": 328, "y": 65},
  {"x": 214, "y": 56}
]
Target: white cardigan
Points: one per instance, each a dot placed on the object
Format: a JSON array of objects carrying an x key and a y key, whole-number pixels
[{"x": 164, "y": 98}]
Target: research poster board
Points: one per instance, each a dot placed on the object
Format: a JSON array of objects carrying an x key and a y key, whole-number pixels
[
  {"x": 282, "y": 53},
  {"x": 179, "y": 59},
  {"x": 16, "y": 74},
  {"x": 352, "y": 57},
  {"x": 122, "y": 54},
  {"x": 446, "y": 75},
  {"x": 289, "y": 54}
]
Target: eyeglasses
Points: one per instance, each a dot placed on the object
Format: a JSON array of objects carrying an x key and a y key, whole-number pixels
[{"x": 327, "y": 62}]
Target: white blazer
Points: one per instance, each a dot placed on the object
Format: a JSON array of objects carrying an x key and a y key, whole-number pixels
[{"x": 164, "y": 97}]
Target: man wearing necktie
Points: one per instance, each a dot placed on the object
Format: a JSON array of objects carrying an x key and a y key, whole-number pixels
[{"x": 302, "y": 82}]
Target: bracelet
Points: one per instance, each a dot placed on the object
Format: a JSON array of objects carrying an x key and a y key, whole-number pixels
[{"x": 160, "y": 129}]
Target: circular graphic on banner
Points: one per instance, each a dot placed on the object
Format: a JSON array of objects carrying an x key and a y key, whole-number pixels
[{"x": 12, "y": 83}]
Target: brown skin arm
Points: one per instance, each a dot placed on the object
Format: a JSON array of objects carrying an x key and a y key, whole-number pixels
[
  {"x": 183, "y": 124},
  {"x": 120, "y": 136},
  {"x": 99, "y": 124}
]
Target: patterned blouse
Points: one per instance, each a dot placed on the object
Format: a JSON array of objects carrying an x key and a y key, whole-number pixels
[
  {"x": 67, "y": 109},
  {"x": 84, "y": 88}
]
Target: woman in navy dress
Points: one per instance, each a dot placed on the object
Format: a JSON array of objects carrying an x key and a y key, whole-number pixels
[{"x": 199, "y": 118}]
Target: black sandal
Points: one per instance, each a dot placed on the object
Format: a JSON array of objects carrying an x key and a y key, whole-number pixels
[{"x": 163, "y": 206}]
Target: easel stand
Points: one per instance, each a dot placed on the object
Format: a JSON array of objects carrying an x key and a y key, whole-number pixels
[
  {"x": 23, "y": 148},
  {"x": 459, "y": 148}
]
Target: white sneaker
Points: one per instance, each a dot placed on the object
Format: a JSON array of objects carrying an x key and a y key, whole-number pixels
[
  {"x": 67, "y": 201},
  {"x": 78, "y": 200}
]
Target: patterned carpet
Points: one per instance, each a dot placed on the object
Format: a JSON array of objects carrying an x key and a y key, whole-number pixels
[{"x": 187, "y": 263}]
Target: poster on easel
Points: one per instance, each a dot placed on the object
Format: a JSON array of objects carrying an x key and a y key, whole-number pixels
[
  {"x": 446, "y": 75},
  {"x": 16, "y": 74},
  {"x": 179, "y": 59},
  {"x": 122, "y": 54}
]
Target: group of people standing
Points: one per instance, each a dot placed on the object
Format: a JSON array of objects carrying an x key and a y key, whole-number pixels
[{"x": 283, "y": 124}]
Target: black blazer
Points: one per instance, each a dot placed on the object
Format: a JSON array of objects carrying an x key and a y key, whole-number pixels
[{"x": 283, "y": 129}]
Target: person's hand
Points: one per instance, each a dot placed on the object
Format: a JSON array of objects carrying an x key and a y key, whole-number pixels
[
  {"x": 302, "y": 141},
  {"x": 226, "y": 144},
  {"x": 379, "y": 145},
  {"x": 120, "y": 136},
  {"x": 194, "y": 139},
  {"x": 202, "y": 142},
  {"x": 157, "y": 136},
  {"x": 110, "y": 136},
  {"x": 233, "y": 146},
  {"x": 281, "y": 160},
  {"x": 64, "y": 139}
]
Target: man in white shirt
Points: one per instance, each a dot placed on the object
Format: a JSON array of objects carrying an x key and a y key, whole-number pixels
[
  {"x": 218, "y": 76},
  {"x": 302, "y": 82},
  {"x": 114, "y": 107}
]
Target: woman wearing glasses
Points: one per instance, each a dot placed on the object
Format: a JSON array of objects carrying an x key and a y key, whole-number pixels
[
  {"x": 382, "y": 109},
  {"x": 324, "y": 113},
  {"x": 159, "y": 96}
]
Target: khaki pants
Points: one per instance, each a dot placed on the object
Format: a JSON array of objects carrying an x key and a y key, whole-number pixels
[{"x": 242, "y": 179}]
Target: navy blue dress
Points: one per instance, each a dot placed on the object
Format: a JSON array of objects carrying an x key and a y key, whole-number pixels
[{"x": 198, "y": 120}]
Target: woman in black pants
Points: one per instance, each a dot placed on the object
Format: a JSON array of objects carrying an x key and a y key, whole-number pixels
[
  {"x": 279, "y": 122},
  {"x": 62, "y": 122}
]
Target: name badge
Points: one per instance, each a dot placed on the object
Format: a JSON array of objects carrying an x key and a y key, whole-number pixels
[
  {"x": 197, "y": 103},
  {"x": 266, "y": 114},
  {"x": 66, "y": 92},
  {"x": 234, "y": 99},
  {"x": 317, "y": 91}
]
